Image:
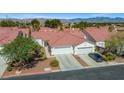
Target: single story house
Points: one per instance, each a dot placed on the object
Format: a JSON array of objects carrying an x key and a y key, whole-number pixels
[
  {"x": 97, "y": 35},
  {"x": 69, "y": 41}
]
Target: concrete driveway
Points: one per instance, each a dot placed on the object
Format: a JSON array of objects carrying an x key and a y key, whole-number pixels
[
  {"x": 3, "y": 66},
  {"x": 68, "y": 62},
  {"x": 90, "y": 61}
]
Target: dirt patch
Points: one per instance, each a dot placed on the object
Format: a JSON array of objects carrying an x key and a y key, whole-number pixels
[
  {"x": 80, "y": 61},
  {"x": 119, "y": 60},
  {"x": 39, "y": 68}
]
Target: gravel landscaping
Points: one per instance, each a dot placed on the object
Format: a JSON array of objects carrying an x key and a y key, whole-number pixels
[
  {"x": 41, "y": 67},
  {"x": 119, "y": 60}
]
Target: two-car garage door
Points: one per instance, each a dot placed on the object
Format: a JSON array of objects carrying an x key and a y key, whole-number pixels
[
  {"x": 69, "y": 50},
  {"x": 84, "y": 50},
  {"x": 62, "y": 50}
]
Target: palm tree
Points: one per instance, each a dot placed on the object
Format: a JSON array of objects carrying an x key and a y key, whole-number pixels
[{"x": 35, "y": 25}]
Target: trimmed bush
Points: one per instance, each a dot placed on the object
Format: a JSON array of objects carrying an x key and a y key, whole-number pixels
[
  {"x": 9, "y": 68},
  {"x": 109, "y": 57},
  {"x": 54, "y": 63},
  {"x": 42, "y": 54}
]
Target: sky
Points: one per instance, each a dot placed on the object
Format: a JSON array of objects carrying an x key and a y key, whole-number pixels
[{"x": 60, "y": 15}]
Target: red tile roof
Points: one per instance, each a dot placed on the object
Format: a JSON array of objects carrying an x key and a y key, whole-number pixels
[
  {"x": 53, "y": 36},
  {"x": 7, "y": 34},
  {"x": 98, "y": 34},
  {"x": 60, "y": 38}
]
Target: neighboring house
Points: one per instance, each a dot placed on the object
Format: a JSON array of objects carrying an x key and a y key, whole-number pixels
[
  {"x": 117, "y": 27},
  {"x": 68, "y": 41},
  {"x": 97, "y": 35}
]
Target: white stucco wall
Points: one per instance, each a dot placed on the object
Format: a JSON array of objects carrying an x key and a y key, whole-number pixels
[
  {"x": 40, "y": 41},
  {"x": 84, "y": 48},
  {"x": 100, "y": 44},
  {"x": 62, "y": 50}
]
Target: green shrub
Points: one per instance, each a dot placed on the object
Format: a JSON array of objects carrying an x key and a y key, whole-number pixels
[
  {"x": 42, "y": 53},
  {"x": 54, "y": 63},
  {"x": 109, "y": 57},
  {"x": 9, "y": 68}
]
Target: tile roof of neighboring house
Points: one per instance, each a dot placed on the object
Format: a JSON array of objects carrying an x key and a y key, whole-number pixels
[
  {"x": 60, "y": 38},
  {"x": 7, "y": 34},
  {"x": 53, "y": 36},
  {"x": 98, "y": 34}
]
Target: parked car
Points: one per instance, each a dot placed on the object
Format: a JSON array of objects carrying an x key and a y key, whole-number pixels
[{"x": 95, "y": 56}]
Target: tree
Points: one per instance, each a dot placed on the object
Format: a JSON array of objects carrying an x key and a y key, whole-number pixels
[
  {"x": 67, "y": 25},
  {"x": 81, "y": 25},
  {"x": 111, "y": 28},
  {"x": 47, "y": 23},
  {"x": 116, "y": 43},
  {"x": 22, "y": 51},
  {"x": 23, "y": 24},
  {"x": 97, "y": 25},
  {"x": 35, "y": 25},
  {"x": 11, "y": 23},
  {"x": 7, "y": 23},
  {"x": 55, "y": 23},
  {"x": 61, "y": 28}
]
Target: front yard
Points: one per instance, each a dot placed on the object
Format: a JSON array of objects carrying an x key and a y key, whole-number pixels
[
  {"x": 40, "y": 67},
  {"x": 110, "y": 57},
  {"x": 119, "y": 60},
  {"x": 44, "y": 66},
  {"x": 24, "y": 56}
]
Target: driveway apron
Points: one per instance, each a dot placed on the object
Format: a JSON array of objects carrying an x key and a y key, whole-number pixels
[
  {"x": 91, "y": 62},
  {"x": 88, "y": 60},
  {"x": 68, "y": 62}
]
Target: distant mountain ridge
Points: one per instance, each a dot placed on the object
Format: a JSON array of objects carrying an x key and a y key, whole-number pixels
[
  {"x": 100, "y": 20},
  {"x": 92, "y": 20}
]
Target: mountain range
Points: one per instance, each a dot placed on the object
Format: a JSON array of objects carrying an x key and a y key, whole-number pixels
[{"x": 92, "y": 20}]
